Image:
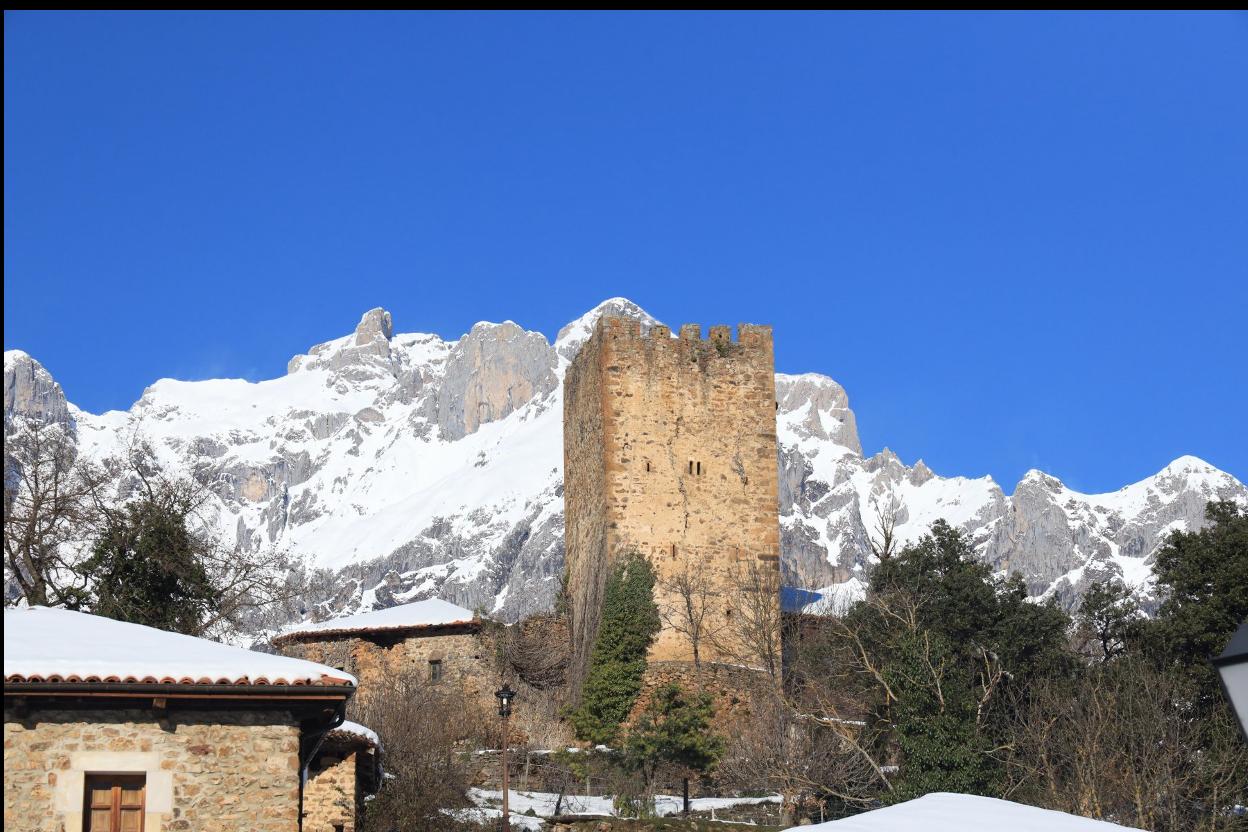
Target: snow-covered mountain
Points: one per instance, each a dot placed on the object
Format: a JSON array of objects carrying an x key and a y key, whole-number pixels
[{"x": 417, "y": 467}]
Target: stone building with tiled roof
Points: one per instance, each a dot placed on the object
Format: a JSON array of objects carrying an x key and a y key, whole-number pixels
[
  {"x": 112, "y": 727},
  {"x": 436, "y": 641}
]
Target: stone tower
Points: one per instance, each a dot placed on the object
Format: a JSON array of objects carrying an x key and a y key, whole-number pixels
[{"x": 670, "y": 450}]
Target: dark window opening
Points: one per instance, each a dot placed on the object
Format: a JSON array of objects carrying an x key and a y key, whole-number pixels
[
  {"x": 647, "y": 467},
  {"x": 699, "y": 469},
  {"x": 691, "y": 466},
  {"x": 435, "y": 670}
]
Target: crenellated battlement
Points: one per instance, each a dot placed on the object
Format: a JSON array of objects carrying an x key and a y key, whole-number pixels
[{"x": 752, "y": 336}]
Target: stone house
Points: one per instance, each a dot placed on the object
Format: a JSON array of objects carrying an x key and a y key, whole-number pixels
[
  {"x": 439, "y": 642},
  {"x": 110, "y": 726}
]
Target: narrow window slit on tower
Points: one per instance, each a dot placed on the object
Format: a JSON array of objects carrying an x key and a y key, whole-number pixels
[
  {"x": 691, "y": 466},
  {"x": 699, "y": 469}
]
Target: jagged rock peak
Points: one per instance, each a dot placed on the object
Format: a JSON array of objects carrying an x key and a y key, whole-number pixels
[
  {"x": 375, "y": 323},
  {"x": 367, "y": 346},
  {"x": 920, "y": 473},
  {"x": 819, "y": 408},
  {"x": 884, "y": 459},
  {"x": 1189, "y": 464},
  {"x": 30, "y": 390},
  {"x": 1035, "y": 478},
  {"x": 570, "y": 338},
  {"x": 490, "y": 372}
]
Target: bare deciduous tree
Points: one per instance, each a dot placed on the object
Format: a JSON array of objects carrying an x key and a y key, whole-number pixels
[
  {"x": 751, "y": 632},
  {"x": 428, "y": 764},
  {"x": 884, "y": 542},
  {"x": 780, "y": 748},
  {"x": 49, "y": 512},
  {"x": 689, "y": 601},
  {"x": 1120, "y": 744}
]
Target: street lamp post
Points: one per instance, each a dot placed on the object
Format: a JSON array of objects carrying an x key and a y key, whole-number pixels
[
  {"x": 505, "y": 694},
  {"x": 1232, "y": 668}
]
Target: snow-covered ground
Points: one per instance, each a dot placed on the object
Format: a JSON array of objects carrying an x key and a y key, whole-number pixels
[
  {"x": 543, "y": 803},
  {"x": 943, "y": 812}
]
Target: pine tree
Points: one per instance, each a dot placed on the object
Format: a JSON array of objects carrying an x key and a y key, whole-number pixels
[
  {"x": 146, "y": 568},
  {"x": 674, "y": 729},
  {"x": 1204, "y": 578},
  {"x": 629, "y": 623},
  {"x": 1108, "y": 617}
]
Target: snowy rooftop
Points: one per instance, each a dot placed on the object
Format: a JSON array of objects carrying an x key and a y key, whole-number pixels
[
  {"x": 433, "y": 612},
  {"x": 42, "y": 644},
  {"x": 355, "y": 732},
  {"x": 940, "y": 812}
]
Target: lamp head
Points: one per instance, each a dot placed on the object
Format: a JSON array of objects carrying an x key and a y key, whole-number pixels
[{"x": 505, "y": 694}]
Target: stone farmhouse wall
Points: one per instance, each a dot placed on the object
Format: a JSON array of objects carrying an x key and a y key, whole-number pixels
[
  {"x": 465, "y": 656},
  {"x": 205, "y": 771},
  {"x": 332, "y": 798}
]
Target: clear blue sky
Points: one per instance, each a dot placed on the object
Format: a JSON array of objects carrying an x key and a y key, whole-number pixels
[{"x": 1017, "y": 240}]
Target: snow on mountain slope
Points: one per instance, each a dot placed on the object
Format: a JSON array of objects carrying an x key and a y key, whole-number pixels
[{"x": 416, "y": 467}]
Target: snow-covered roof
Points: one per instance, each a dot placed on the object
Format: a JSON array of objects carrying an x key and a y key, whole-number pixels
[
  {"x": 42, "y": 644},
  {"x": 355, "y": 732},
  {"x": 943, "y": 812},
  {"x": 433, "y": 612}
]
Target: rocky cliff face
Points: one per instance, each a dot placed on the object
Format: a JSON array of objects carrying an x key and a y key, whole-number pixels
[
  {"x": 30, "y": 390},
  {"x": 411, "y": 467}
]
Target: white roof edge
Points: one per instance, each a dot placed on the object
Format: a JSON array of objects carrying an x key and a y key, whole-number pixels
[
  {"x": 46, "y": 644},
  {"x": 431, "y": 612}
]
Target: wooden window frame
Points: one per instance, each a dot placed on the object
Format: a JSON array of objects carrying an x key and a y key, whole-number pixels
[
  {"x": 437, "y": 671},
  {"x": 117, "y": 782}
]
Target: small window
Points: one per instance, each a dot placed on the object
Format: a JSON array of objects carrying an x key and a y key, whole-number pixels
[
  {"x": 691, "y": 466},
  {"x": 114, "y": 802},
  {"x": 699, "y": 469},
  {"x": 647, "y": 467},
  {"x": 435, "y": 670}
]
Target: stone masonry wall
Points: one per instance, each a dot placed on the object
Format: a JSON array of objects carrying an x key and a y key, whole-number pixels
[
  {"x": 687, "y": 451},
  {"x": 466, "y": 663},
  {"x": 206, "y": 771},
  {"x": 331, "y": 795},
  {"x": 584, "y": 501},
  {"x": 731, "y": 689}
]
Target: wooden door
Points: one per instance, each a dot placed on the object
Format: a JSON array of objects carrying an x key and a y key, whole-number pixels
[{"x": 114, "y": 803}]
